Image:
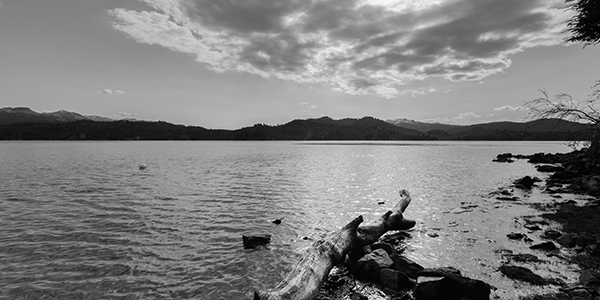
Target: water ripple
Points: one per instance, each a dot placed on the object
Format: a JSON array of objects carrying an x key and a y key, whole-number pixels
[{"x": 81, "y": 221}]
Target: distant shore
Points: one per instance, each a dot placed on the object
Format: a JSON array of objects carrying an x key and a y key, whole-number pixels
[{"x": 363, "y": 129}]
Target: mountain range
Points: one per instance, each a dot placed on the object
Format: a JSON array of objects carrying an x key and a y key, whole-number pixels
[
  {"x": 23, "y": 123},
  {"x": 10, "y": 115}
]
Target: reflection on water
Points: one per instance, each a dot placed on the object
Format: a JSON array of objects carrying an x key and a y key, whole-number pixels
[{"x": 80, "y": 220}]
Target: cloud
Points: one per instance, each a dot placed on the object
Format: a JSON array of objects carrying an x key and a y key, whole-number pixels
[
  {"x": 508, "y": 108},
  {"x": 354, "y": 46},
  {"x": 126, "y": 115},
  {"x": 111, "y": 92}
]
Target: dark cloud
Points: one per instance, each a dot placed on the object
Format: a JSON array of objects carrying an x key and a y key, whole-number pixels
[
  {"x": 282, "y": 52},
  {"x": 355, "y": 47},
  {"x": 243, "y": 16}
]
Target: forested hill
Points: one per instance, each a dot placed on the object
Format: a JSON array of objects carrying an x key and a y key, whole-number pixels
[{"x": 325, "y": 128}]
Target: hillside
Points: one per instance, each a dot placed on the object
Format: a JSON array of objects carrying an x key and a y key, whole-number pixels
[
  {"x": 26, "y": 124},
  {"x": 11, "y": 115}
]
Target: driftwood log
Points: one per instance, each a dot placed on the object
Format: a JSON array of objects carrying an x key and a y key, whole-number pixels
[{"x": 307, "y": 276}]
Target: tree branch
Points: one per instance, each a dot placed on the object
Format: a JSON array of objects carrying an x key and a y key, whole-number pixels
[{"x": 307, "y": 276}]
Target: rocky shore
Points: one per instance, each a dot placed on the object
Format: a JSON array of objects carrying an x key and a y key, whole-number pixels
[{"x": 566, "y": 229}]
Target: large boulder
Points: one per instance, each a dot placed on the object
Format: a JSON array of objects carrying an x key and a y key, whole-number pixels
[
  {"x": 394, "y": 279},
  {"x": 431, "y": 288},
  {"x": 406, "y": 266},
  {"x": 369, "y": 266},
  {"x": 448, "y": 284}
]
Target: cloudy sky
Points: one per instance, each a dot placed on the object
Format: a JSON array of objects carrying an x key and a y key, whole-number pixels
[{"x": 233, "y": 63}]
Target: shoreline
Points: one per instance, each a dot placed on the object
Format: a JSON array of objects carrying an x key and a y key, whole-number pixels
[{"x": 566, "y": 231}]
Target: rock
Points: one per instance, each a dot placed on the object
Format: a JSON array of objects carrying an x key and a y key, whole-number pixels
[
  {"x": 541, "y": 158},
  {"x": 583, "y": 241},
  {"x": 522, "y": 274},
  {"x": 431, "y": 288},
  {"x": 443, "y": 271},
  {"x": 592, "y": 184},
  {"x": 586, "y": 276},
  {"x": 548, "y": 168},
  {"x": 504, "y": 158},
  {"x": 369, "y": 266},
  {"x": 515, "y": 236},
  {"x": 447, "y": 283},
  {"x": 551, "y": 234},
  {"x": 277, "y": 221},
  {"x": 566, "y": 240},
  {"x": 394, "y": 279},
  {"x": 506, "y": 198},
  {"x": 532, "y": 227},
  {"x": 581, "y": 294},
  {"x": 594, "y": 250},
  {"x": 358, "y": 253},
  {"x": 547, "y": 246},
  {"x": 406, "y": 266},
  {"x": 523, "y": 257},
  {"x": 526, "y": 182},
  {"x": 387, "y": 247},
  {"x": 255, "y": 240},
  {"x": 358, "y": 296}
]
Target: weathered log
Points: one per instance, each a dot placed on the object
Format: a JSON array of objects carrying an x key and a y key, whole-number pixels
[{"x": 307, "y": 276}]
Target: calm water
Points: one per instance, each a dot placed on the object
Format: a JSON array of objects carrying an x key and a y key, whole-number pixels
[{"x": 79, "y": 220}]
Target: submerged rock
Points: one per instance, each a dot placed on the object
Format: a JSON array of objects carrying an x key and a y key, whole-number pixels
[
  {"x": 548, "y": 168},
  {"x": 504, "y": 158},
  {"x": 515, "y": 235},
  {"x": 256, "y": 240},
  {"x": 526, "y": 182},
  {"x": 548, "y": 246},
  {"x": 551, "y": 234},
  {"x": 523, "y": 274}
]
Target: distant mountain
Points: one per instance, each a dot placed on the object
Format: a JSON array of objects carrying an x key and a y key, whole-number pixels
[
  {"x": 543, "y": 125},
  {"x": 325, "y": 128},
  {"x": 11, "y": 115},
  {"x": 22, "y": 123},
  {"x": 421, "y": 126}
]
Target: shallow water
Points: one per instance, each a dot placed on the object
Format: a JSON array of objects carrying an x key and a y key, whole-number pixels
[{"x": 80, "y": 220}]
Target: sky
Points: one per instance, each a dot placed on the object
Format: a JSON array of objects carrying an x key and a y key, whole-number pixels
[{"x": 229, "y": 64}]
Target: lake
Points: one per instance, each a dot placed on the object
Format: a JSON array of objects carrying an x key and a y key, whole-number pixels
[{"x": 80, "y": 220}]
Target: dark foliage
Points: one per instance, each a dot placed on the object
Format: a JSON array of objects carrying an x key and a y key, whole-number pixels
[
  {"x": 362, "y": 129},
  {"x": 585, "y": 25}
]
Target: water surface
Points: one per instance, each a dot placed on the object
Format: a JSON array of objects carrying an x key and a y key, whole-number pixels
[{"x": 80, "y": 220}]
